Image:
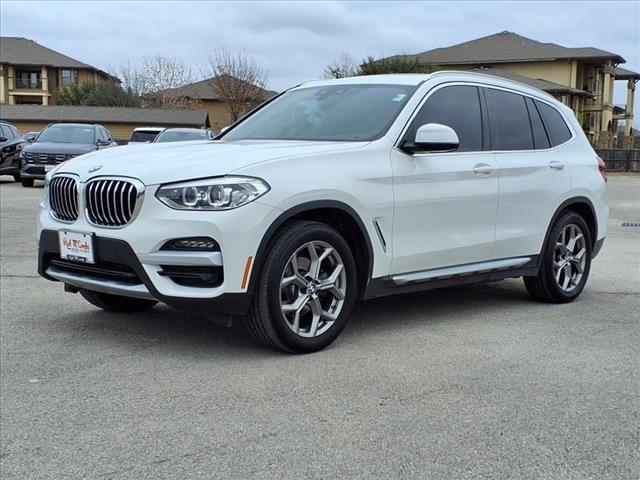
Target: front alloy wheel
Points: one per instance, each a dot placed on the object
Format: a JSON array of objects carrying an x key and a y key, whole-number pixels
[
  {"x": 305, "y": 290},
  {"x": 312, "y": 289}
]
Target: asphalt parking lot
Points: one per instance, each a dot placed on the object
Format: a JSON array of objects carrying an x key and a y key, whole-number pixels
[{"x": 476, "y": 382}]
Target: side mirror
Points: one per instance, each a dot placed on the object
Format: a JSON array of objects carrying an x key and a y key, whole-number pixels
[
  {"x": 103, "y": 143},
  {"x": 3, "y": 139},
  {"x": 433, "y": 137},
  {"x": 31, "y": 139}
]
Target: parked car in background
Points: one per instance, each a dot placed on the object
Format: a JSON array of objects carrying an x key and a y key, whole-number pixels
[
  {"x": 11, "y": 143},
  {"x": 145, "y": 134},
  {"x": 183, "y": 135},
  {"x": 58, "y": 143},
  {"x": 334, "y": 191},
  {"x": 30, "y": 137}
]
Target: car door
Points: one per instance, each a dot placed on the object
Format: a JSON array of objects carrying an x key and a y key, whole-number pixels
[
  {"x": 445, "y": 203},
  {"x": 533, "y": 175}
]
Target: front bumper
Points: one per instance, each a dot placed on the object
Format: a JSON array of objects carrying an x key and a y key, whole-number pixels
[
  {"x": 35, "y": 171},
  {"x": 135, "y": 253},
  {"x": 129, "y": 280}
]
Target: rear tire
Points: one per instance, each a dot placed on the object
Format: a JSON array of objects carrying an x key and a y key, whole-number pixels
[
  {"x": 117, "y": 303},
  {"x": 565, "y": 261},
  {"x": 27, "y": 182},
  {"x": 16, "y": 177},
  {"x": 305, "y": 291}
]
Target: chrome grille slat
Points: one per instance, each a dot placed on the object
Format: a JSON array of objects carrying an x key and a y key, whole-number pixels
[
  {"x": 63, "y": 198},
  {"x": 111, "y": 202}
]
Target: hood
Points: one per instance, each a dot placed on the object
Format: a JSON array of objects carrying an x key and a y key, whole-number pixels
[
  {"x": 59, "y": 148},
  {"x": 172, "y": 162}
]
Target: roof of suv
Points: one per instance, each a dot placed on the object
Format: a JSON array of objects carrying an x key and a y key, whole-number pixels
[{"x": 418, "y": 78}]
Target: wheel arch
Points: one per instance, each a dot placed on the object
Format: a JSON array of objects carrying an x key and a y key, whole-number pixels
[
  {"x": 338, "y": 215},
  {"x": 582, "y": 206}
]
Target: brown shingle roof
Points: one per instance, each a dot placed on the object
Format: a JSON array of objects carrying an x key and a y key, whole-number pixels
[
  {"x": 506, "y": 47},
  {"x": 22, "y": 51},
  {"x": 140, "y": 116},
  {"x": 540, "y": 84},
  {"x": 624, "y": 74},
  {"x": 202, "y": 90}
]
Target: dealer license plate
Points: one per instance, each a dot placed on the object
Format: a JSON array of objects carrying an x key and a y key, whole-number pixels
[{"x": 76, "y": 246}]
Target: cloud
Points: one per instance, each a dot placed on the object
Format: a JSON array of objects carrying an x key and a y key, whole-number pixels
[{"x": 295, "y": 40}]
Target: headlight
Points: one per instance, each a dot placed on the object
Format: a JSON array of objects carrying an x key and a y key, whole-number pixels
[{"x": 222, "y": 193}]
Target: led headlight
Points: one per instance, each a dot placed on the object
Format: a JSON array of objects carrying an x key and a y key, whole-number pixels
[{"x": 222, "y": 193}]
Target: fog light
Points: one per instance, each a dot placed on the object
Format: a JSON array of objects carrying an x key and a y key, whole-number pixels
[{"x": 192, "y": 243}]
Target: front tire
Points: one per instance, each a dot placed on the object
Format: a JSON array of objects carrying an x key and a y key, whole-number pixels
[
  {"x": 117, "y": 303},
  {"x": 565, "y": 261},
  {"x": 305, "y": 291},
  {"x": 27, "y": 182}
]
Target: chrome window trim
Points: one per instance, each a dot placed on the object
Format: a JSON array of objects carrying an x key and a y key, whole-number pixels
[{"x": 453, "y": 83}]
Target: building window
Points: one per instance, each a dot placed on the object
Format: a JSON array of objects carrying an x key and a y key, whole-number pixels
[{"x": 66, "y": 77}]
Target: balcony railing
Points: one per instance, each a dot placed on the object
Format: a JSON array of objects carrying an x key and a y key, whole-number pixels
[{"x": 28, "y": 84}]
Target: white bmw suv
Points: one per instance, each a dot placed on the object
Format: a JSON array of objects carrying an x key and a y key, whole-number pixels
[{"x": 331, "y": 192}]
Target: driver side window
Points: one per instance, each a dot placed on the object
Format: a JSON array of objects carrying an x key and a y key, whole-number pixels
[{"x": 457, "y": 107}]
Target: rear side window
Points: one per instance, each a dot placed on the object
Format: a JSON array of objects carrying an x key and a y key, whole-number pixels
[
  {"x": 457, "y": 107},
  {"x": 509, "y": 119},
  {"x": 143, "y": 136},
  {"x": 540, "y": 139},
  {"x": 556, "y": 126}
]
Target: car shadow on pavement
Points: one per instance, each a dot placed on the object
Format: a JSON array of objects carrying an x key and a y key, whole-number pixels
[{"x": 178, "y": 333}]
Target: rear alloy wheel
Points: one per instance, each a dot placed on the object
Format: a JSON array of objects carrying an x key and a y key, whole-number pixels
[
  {"x": 305, "y": 291},
  {"x": 117, "y": 303},
  {"x": 565, "y": 262}
]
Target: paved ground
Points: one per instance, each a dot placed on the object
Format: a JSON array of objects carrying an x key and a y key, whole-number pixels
[{"x": 475, "y": 382}]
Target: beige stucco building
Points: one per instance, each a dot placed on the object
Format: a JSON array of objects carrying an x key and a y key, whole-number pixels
[
  {"x": 33, "y": 74},
  {"x": 582, "y": 78}
]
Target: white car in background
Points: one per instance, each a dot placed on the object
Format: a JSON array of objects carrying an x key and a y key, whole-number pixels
[
  {"x": 335, "y": 191},
  {"x": 183, "y": 135},
  {"x": 145, "y": 134}
]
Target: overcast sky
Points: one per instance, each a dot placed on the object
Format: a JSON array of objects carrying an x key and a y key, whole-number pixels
[{"x": 295, "y": 40}]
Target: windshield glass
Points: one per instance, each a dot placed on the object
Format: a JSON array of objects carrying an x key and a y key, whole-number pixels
[
  {"x": 67, "y": 134},
  {"x": 143, "y": 136},
  {"x": 328, "y": 113},
  {"x": 181, "y": 135}
]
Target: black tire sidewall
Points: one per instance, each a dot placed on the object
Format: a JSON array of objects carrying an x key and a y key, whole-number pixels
[
  {"x": 311, "y": 232},
  {"x": 557, "y": 293}
]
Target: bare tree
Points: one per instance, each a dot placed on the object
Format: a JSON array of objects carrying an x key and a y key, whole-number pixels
[
  {"x": 237, "y": 79},
  {"x": 157, "y": 81},
  {"x": 342, "y": 66}
]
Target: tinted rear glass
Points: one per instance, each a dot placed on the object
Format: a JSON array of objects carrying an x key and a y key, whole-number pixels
[
  {"x": 556, "y": 126},
  {"x": 509, "y": 121},
  {"x": 181, "y": 135},
  {"x": 457, "y": 107},
  {"x": 540, "y": 139},
  {"x": 143, "y": 136}
]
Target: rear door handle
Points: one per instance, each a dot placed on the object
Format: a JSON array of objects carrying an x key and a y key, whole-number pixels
[
  {"x": 482, "y": 169},
  {"x": 556, "y": 165}
]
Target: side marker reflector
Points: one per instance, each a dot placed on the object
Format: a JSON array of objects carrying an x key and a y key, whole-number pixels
[{"x": 247, "y": 268}]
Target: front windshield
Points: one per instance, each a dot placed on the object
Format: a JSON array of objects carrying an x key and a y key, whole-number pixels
[
  {"x": 181, "y": 135},
  {"x": 339, "y": 113},
  {"x": 67, "y": 134}
]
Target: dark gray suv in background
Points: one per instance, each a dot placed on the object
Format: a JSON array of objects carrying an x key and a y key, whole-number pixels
[
  {"x": 57, "y": 143},
  {"x": 11, "y": 143}
]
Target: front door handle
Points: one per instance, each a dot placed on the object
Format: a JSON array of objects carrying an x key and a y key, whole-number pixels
[
  {"x": 556, "y": 165},
  {"x": 482, "y": 169}
]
